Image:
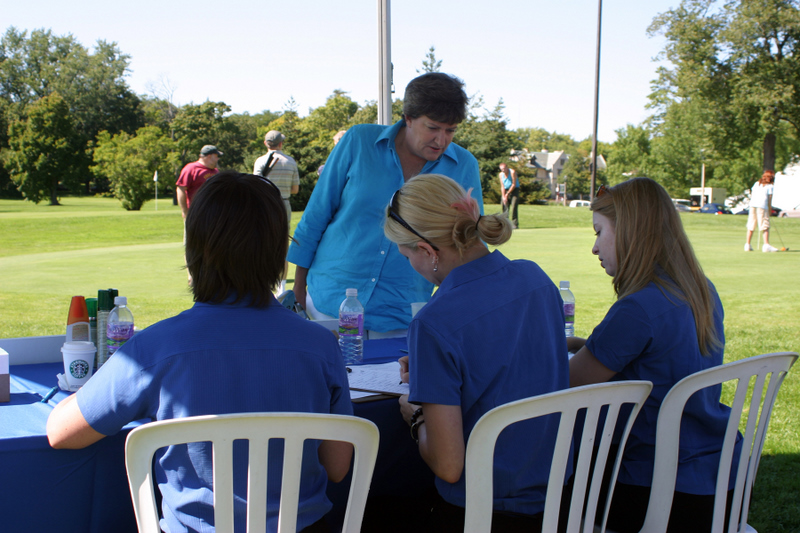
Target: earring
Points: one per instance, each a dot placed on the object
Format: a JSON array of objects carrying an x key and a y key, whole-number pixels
[{"x": 436, "y": 263}]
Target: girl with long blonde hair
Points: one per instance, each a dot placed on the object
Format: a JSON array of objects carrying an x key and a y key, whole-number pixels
[{"x": 665, "y": 325}]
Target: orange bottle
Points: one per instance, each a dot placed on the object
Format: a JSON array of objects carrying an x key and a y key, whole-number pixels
[{"x": 78, "y": 320}]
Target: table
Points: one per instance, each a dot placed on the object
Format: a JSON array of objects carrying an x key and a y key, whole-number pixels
[{"x": 86, "y": 491}]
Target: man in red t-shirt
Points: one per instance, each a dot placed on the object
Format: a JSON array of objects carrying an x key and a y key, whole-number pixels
[{"x": 195, "y": 174}]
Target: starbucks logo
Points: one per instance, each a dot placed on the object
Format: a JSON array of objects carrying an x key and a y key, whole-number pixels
[{"x": 79, "y": 368}]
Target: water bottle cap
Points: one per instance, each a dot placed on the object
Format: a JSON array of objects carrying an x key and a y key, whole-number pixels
[
  {"x": 121, "y": 300},
  {"x": 563, "y": 284},
  {"x": 351, "y": 292}
]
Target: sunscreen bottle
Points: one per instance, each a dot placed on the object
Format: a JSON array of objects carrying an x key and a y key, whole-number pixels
[{"x": 78, "y": 320}]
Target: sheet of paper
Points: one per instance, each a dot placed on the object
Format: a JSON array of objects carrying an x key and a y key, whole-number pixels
[
  {"x": 361, "y": 396},
  {"x": 384, "y": 378}
]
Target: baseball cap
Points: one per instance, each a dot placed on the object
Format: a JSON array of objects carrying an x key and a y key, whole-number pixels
[
  {"x": 274, "y": 137},
  {"x": 209, "y": 149}
]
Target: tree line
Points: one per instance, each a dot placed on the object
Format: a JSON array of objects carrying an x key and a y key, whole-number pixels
[
  {"x": 727, "y": 97},
  {"x": 69, "y": 124}
]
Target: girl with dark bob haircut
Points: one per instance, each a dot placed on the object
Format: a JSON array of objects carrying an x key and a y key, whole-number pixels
[
  {"x": 236, "y": 350},
  {"x": 237, "y": 236}
]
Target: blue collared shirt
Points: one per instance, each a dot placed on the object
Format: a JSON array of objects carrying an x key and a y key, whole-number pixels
[
  {"x": 494, "y": 333},
  {"x": 651, "y": 335},
  {"x": 216, "y": 359},
  {"x": 340, "y": 238}
]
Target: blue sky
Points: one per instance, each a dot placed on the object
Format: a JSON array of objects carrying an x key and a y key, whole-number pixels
[{"x": 538, "y": 56}]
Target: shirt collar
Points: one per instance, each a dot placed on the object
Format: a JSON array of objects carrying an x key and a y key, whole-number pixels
[
  {"x": 388, "y": 135},
  {"x": 244, "y": 302},
  {"x": 474, "y": 270}
]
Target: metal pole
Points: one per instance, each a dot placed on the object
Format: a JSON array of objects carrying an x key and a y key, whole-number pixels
[
  {"x": 596, "y": 100},
  {"x": 384, "y": 63},
  {"x": 703, "y": 185}
]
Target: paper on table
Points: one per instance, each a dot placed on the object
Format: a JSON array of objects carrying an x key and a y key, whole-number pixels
[
  {"x": 366, "y": 396},
  {"x": 384, "y": 378}
]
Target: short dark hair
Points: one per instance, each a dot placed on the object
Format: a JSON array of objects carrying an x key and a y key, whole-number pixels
[
  {"x": 438, "y": 96},
  {"x": 237, "y": 236}
]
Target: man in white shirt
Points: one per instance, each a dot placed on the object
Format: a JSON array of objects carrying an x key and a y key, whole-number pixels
[{"x": 281, "y": 170}]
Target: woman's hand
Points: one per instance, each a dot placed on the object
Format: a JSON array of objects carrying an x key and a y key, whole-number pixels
[
  {"x": 585, "y": 369},
  {"x": 403, "y": 368},
  {"x": 299, "y": 287},
  {"x": 406, "y": 409},
  {"x": 575, "y": 343}
]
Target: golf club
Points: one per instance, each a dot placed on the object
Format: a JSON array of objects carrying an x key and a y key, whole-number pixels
[{"x": 783, "y": 246}]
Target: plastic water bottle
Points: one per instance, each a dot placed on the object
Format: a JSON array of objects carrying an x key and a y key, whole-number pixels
[
  {"x": 120, "y": 325},
  {"x": 351, "y": 328},
  {"x": 569, "y": 308}
]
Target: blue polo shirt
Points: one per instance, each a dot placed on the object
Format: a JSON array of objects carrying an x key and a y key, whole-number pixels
[
  {"x": 652, "y": 336},
  {"x": 216, "y": 359},
  {"x": 493, "y": 333},
  {"x": 340, "y": 237}
]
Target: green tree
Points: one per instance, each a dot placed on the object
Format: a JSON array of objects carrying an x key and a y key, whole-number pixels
[
  {"x": 430, "y": 63},
  {"x": 538, "y": 139},
  {"x": 130, "y": 162},
  {"x": 629, "y": 155},
  {"x": 92, "y": 84},
  {"x": 488, "y": 139},
  {"x": 737, "y": 63},
  {"x": 7, "y": 187},
  {"x": 42, "y": 150},
  {"x": 197, "y": 125},
  {"x": 368, "y": 113},
  {"x": 680, "y": 147}
]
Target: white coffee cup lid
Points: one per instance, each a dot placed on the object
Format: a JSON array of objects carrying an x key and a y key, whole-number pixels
[{"x": 79, "y": 346}]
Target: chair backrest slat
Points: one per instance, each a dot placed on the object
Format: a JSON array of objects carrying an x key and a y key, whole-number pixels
[
  {"x": 258, "y": 459},
  {"x": 767, "y": 369},
  {"x": 590, "y": 399},
  {"x": 257, "y": 428},
  {"x": 223, "y": 483}
]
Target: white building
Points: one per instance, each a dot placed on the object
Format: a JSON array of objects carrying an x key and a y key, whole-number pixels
[
  {"x": 787, "y": 187},
  {"x": 548, "y": 165}
]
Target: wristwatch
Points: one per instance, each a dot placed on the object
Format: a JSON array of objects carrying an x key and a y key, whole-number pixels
[{"x": 416, "y": 422}]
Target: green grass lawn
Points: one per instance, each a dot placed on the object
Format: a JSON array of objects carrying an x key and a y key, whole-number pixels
[{"x": 48, "y": 254}]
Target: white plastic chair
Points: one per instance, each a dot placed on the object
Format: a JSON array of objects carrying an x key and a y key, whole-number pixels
[
  {"x": 592, "y": 398},
  {"x": 769, "y": 369},
  {"x": 258, "y": 428}
]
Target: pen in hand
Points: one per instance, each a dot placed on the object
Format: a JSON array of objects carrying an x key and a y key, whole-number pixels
[{"x": 403, "y": 369}]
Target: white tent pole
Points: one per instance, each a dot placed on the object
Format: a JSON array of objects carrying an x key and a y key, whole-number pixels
[{"x": 384, "y": 63}]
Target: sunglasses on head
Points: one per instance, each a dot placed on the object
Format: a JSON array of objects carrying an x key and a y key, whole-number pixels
[
  {"x": 601, "y": 191},
  {"x": 391, "y": 212}
]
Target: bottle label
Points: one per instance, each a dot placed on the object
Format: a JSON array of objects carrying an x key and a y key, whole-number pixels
[
  {"x": 569, "y": 312},
  {"x": 78, "y": 331},
  {"x": 351, "y": 324},
  {"x": 117, "y": 335}
]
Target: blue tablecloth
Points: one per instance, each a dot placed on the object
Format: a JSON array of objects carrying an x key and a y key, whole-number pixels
[{"x": 86, "y": 491}]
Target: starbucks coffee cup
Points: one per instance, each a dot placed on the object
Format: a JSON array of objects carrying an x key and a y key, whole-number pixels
[{"x": 78, "y": 360}]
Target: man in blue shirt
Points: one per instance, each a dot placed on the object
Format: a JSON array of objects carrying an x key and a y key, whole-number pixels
[{"x": 339, "y": 242}]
